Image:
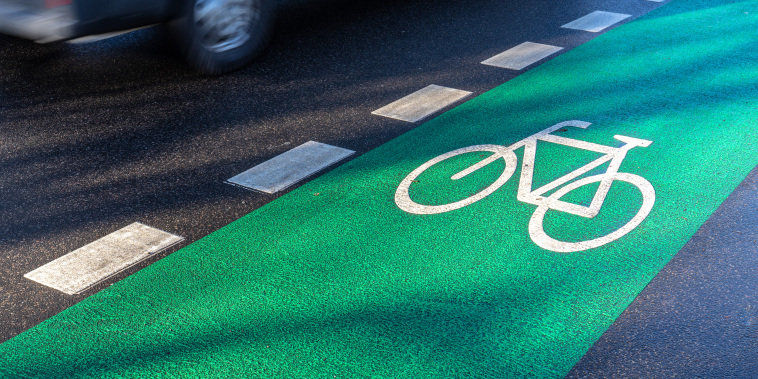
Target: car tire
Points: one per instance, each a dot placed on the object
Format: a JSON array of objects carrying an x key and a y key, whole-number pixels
[{"x": 219, "y": 36}]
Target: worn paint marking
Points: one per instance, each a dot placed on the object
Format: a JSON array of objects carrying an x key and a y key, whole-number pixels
[
  {"x": 90, "y": 264},
  {"x": 290, "y": 167}
]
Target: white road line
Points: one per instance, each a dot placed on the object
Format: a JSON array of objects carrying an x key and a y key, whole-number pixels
[
  {"x": 523, "y": 55},
  {"x": 90, "y": 264},
  {"x": 290, "y": 167},
  {"x": 422, "y": 103},
  {"x": 596, "y": 21}
]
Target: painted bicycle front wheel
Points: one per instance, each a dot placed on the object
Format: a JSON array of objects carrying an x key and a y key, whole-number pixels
[{"x": 537, "y": 230}]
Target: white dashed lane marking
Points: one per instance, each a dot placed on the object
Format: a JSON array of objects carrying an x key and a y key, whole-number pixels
[
  {"x": 596, "y": 21},
  {"x": 90, "y": 264},
  {"x": 422, "y": 103},
  {"x": 523, "y": 55},
  {"x": 290, "y": 167}
]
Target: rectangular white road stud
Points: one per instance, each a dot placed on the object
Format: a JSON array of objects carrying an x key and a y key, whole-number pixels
[
  {"x": 422, "y": 103},
  {"x": 523, "y": 55},
  {"x": 290, "y": 167},
  {"x": 90, "y": 264},
  {"x": 596, "y": 21}
]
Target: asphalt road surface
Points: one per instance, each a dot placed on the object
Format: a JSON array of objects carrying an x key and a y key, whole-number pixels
[{"x": 94, "y": 137}]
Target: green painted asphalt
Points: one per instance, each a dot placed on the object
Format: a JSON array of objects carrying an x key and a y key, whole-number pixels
[{"x": 334, "y": 280}]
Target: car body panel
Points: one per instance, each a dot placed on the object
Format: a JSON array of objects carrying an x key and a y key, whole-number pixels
[{"x": 47, "y": 21}]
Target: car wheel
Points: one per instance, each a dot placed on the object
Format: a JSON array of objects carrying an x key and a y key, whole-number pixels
[{"x": 219, "y": 36}]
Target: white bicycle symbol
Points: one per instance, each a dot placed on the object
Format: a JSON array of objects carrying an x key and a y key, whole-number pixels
[{"x": 544, "y": 203}]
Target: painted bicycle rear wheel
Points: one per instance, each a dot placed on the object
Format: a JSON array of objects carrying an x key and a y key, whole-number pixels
[{"x": 403, "y": 198}]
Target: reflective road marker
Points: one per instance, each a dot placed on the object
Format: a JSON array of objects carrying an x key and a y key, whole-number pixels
[
  {"x": 523, "y": 55},
  {"x": 88, "y": 265},
  {"x": 596, "y": 21},
  {"x": 422, "y": 103},
  {"x": 290, "y": 167}
]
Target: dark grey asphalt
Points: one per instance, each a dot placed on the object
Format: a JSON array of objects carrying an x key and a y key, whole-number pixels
[
  {"x": 699, "y": 317},
  {"x": 94, "y": 137}
]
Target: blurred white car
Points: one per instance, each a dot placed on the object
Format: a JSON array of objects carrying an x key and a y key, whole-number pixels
[{"x": 215, "y": 36}]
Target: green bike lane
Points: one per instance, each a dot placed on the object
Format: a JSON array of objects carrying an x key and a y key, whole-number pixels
[{"x": 335, "y": 280}]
